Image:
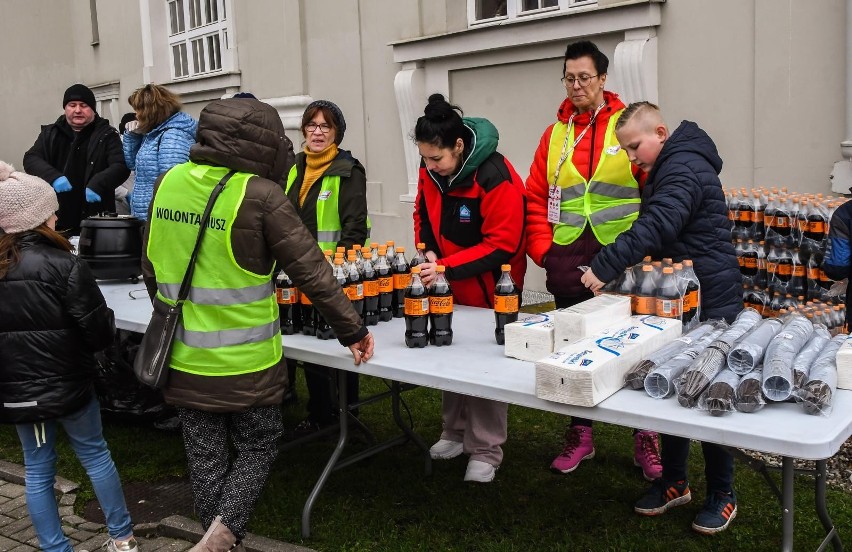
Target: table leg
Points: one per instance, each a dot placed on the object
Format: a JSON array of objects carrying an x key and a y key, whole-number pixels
[
  {"x": 822, "y": 511},
  {"x": 335, "y": 456},
  {"x": 397, "y": 416},
  {"x": 787, "y": 503}
]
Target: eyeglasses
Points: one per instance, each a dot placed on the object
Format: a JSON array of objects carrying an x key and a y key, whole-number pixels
[
  {"x": 311, "y": 127},
  {"x": 584, "y": 80}
]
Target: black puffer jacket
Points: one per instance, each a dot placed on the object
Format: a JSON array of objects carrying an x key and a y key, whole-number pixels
[
  {"x": 684, "y": 216},
  {"x": 52, "y": 319}
]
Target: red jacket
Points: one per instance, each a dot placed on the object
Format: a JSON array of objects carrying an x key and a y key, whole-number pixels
[
  {"x": 563, "y": 278},
  {"x": 474, "y": 226}
]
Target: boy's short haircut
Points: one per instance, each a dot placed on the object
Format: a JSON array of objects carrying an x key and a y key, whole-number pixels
[{"x": 634, "y": 109}]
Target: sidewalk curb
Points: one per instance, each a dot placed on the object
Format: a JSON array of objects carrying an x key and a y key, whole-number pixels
[
  {"x": 180, "y": 527},
  {"x": 14, "y": 473}
]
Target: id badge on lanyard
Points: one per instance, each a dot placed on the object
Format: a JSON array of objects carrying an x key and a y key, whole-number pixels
[{"x": 554, "y": 203}]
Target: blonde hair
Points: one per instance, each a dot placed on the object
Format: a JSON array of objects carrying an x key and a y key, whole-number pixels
[
  {"x": 153, "y": 104},
  {"x": 637, "y": 109}
]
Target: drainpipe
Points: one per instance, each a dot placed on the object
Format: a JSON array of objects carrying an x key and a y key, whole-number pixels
[{"x": 841, "y": 175}]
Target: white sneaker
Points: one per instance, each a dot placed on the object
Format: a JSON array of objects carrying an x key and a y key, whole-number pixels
[
  {"x": 114, "y": 545},
  {"x": 480, "y": 472},
  {"x": 445, "y": 449}
]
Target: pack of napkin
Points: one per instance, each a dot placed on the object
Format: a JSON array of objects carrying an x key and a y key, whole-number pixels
[
  {"x": 529, "y": 338},
  {"x": 589, "y": 317},
  {"x": 588, "y": 371},
  {"x": 844, "y": 365}
]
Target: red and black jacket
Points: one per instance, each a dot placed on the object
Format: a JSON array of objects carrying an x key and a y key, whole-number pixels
[{"x": 474, "y": 225}]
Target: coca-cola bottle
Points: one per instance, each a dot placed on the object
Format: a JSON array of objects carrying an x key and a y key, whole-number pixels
[
  {"x": 401, "y": 277},
  {"x": 384, "y": 275},
  {"x": 371, "y": 290},
  {"x": 420, "y": 256},
  {"x": 416, "y": 311},
  {"x": 669, "y": 302},
  {"x": 507, "y": 302},
  {"x": 440, "y": 310},
  {"x": 285, "y": 295},
  {"x": 355, "y": 287}
]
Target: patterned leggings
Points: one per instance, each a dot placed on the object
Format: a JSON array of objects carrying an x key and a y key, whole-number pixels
[{"x": 225, "y": 486}]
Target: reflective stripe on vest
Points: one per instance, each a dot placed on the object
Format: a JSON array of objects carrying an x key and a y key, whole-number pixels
[
  {"x": 229, "y": 323},
  {"x": 329, "y": 227},
  {"x": 609, "y": 201}
]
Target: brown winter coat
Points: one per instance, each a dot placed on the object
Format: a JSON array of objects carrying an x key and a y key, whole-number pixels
[{"x": 247, "y": 135}]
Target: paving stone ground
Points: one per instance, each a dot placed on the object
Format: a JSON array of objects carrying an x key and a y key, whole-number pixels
[{"x": 172, "y": 534}]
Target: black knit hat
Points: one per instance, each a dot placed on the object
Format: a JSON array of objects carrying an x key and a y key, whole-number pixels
[
  {"x": 331, "y": 106},
  {"x": 79, "y": 93}
]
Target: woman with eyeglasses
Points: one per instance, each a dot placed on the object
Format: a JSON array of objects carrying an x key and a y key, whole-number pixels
[
  {"x": 156, "y": 141},
  {"x": 583, "y": 192},
  {"x": 325, "y": 175}
]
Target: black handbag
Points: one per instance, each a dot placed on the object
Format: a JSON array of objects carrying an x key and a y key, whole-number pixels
[{"x": 152, "y": 361}]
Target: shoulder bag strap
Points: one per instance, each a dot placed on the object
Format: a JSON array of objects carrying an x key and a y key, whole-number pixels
[{"x": 187, "y": 278}]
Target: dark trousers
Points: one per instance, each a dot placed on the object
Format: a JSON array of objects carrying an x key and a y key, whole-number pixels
[
  {"x": 225, "y": 486},
  {"x": 322, "y": 391},
  {"x": 718, "y": 463}
]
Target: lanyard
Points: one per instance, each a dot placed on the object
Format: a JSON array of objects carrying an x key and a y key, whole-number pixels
[{"x": 565, "y": 150}]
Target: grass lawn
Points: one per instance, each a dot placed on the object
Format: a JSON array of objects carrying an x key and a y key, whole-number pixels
[{"x": 386, "y": 503}]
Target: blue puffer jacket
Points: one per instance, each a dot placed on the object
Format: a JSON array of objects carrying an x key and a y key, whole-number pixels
[
  {"x": 684, "y": 216},
  {"x": 152, "y": 154}
]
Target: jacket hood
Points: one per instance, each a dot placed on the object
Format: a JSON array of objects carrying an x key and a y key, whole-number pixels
[
  {"x": 484, "y": 144},
  {"x": 178, "y": 121},
  {"x": 688, "y": 138},
  {"x": 566, "y": 108},
  {"x": 243, "y": 134}
]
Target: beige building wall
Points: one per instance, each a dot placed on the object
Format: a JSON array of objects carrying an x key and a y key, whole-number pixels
[{"x": 765, "y": 78}]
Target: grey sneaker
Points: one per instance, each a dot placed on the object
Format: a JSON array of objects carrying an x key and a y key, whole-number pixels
[{"x": 114, "y": 545}]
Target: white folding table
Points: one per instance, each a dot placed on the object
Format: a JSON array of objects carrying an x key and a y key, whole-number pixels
[{"x": 475, "y": 365}]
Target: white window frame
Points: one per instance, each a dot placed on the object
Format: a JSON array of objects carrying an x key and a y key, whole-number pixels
[
  {"x": 204, "y": 57},
  {"x": 514, "y": 11}
]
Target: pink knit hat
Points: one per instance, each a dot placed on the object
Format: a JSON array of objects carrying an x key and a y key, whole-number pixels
[{"x": 26, "y": 201}]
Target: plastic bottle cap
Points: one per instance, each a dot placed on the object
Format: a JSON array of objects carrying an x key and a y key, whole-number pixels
[
  {"x": 328, "y": 252},
  {"x": 506, "y": 267},
  {"x": 415, "y": 270},
  {"x": 374, "y": 245},
  {"x": 647, "y": 268},
  {"x": 440, "y": 269},
  {"x": 389, "y": 243},
  {"x": 668, "y": 270},
  {"x": 356, "y": 247},
  {"x": 421, "y": 245},
  {"x": 383, "y": 249},
  {"x": 400, "y": 249},
  {"x": 367, "y": 255},
  {"x": 338, "y": 260}
]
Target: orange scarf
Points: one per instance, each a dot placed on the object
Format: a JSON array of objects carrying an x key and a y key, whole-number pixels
[{"x": 316, "y": 165}]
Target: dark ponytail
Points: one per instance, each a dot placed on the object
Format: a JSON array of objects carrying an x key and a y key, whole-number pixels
[{"x": 441, "y": 124}]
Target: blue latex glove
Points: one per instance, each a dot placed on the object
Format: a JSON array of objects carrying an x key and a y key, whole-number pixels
[
  {"x": 91, "y": 196},
  {"x": 61, "y": 184}
]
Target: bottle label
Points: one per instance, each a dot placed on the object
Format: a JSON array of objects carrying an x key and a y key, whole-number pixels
[
  {"x": 771, "y": 267},
  {"x": 401, "y": 281},
  {"x": 285, "y": 296},
  {"x": 441, "y": 305},
  {"x": 644, "y": 305},
  {"x": 371, "y": 288},
  {"x": 823, "y": 276},
  {"x": 690, "y": 301},
  {"x": 785, "y": 269},
  {"x": 355, "y": 292},
  {"x": 816, "y": 227},
  {"x": 416, "y": 306},
  {"x": 802, "y": 224},
  {"x": 740, "y": 261},
  {"x": 769, "y": 220},
  {"x": 506, "y": 304},
  {"x": 745, "y": 216},
  {"x": 782, "y": 222},
  {"x": 750, "y": 262},
  {"x": 304, "y": 299},
  {"x": 669, "y": 308},
  {"x": 799, "y": 271},
  {"x": 385, "y": 284},
  {"x": 758, "y": 216}
]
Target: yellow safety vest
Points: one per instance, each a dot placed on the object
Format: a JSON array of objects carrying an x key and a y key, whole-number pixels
[
  {"x": 329, "y": 228},
  {"x": 609, "y": 202},
  {"x": 230, "y": 321}
]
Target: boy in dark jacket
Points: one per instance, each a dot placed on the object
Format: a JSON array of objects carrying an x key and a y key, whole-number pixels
[
  {"x": 683, "y": 216},
  {"x": 837, "y": 264}
]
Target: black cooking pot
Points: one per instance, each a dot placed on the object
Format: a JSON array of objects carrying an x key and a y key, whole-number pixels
[{"x": 112, "y": 246}]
